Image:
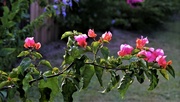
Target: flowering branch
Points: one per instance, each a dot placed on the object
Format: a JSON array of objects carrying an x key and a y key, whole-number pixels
[{"x": 78, "y": 69}]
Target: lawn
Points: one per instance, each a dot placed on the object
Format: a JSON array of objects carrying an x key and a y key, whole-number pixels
[{"x": 166, "y": 91}]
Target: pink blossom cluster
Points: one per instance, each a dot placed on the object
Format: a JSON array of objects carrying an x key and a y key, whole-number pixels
[
  {"x": 30, "y": 43},
  {"x": 150, "y": 55},
  {"x": 81, "y": 39}
]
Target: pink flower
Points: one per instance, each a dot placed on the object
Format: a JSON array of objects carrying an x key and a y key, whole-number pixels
[
  {"x": 29, "y": 42},
  {"x": 107, "y": 36},
  {"x": 149, "y": 56},
  {"x": 37, "y": 46},
  {"x": 91, "y": 33},
  {"x": 125, "y": 50},
  {"x": 81, "y": 40},
  {"x": 158, "y": 52},
  {"x": 133, "y": 2},
  {"x": 140, "y": 43},
  {"x": 161, "y": 60}
]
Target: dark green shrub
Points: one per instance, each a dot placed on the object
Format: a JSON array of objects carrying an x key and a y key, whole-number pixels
[
  {"x": 147, "y": 16},
  {"x": 88, "y": 14}
]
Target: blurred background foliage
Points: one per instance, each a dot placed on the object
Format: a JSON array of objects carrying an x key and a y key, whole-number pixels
[
  {"x": 15, "y": 24},
  {"x": 103, "y": 14}
]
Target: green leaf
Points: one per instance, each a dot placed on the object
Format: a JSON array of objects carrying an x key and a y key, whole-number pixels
[
  {"x": 33, "y": 94},
  {"x": 113, "y": 82},
  {"x": 23, "y": 53},
  {"x": 68, "y": 88},
  {"x": 99, "y": 73},
  {"x": 70, "y": 42},
  {"x": 10, "y": 24},
  {"x": 105, "y": 52},
  {"x": 153, "y": 77},
  {"x": 15, "y": 72},
  {"x": 37, "y": 55},
  {"x": 87, "y": 75},
  {"x": 164, "y": 73},
  {"x": 127, "y": 57},
  {"x": 66, "y": 34},
  {"x": 68, "y": 58},
  {"x": 78, "y": 64},
  {"x": 6, "y": 10},
  {"x": 2, "y": 73},
  {"x": 24, "y": 65},
  {"x": 95, "y": 45},
  {"x": 134, "y": 59},
  {"x": 143, "y": 63},
  {"x": 6, "y": 51},
  {"x": 4, "y": 83},
  {"x": 46, "y": 63},
  {"x": 53, "y": 84},
  {"x": 170, "y": 70},
  {"x": 25, "y": 82},
  {"x": 140, "y": 76},
  {"x": 75, "y": 52},
  {"x": 126, "y": 81}
]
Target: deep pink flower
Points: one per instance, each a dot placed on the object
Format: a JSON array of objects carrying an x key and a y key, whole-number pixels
[
  {"x": 81, "y": 40},
  {"x": 158, "y": 52},
  {"x": 140, "y": 43},
  {"x": 125, "y": 49},
  {"x": 29, "y": 42},
  {"x": 107, "y": 36},
  {"x": 149, "y": 56}
]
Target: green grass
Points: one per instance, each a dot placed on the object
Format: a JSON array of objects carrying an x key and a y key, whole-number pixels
[{"x": 166, "y": 91}]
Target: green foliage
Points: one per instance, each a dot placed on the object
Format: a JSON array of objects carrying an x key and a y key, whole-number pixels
[{"x": 12, "y": 33}]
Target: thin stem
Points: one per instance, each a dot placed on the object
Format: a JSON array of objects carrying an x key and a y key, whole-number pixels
[
  {"x": 34, "y": 80},
  {"x": 104, "y": 67}
]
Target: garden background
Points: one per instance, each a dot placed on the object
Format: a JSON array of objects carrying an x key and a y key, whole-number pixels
[{"x": 158, "y": 20}]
